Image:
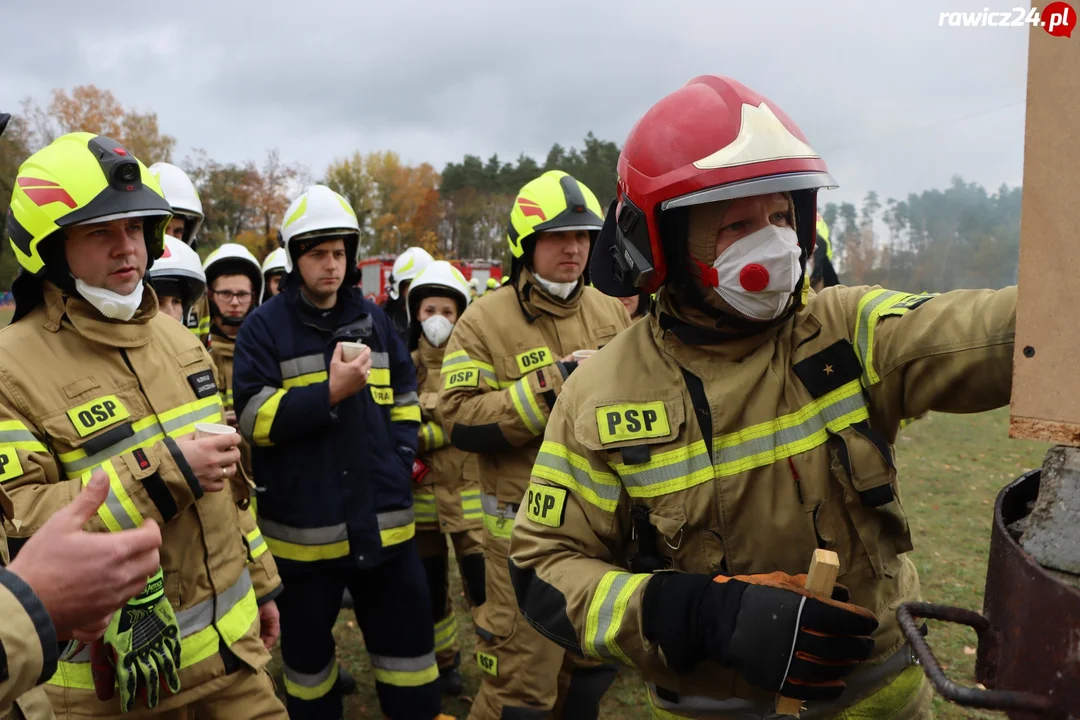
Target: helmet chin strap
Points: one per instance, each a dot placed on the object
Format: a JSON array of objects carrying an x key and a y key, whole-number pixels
[
  {"x": 705, "y": 273},
  {"x": 57, "y": 270},
  {"x": 221, "y": 319}
]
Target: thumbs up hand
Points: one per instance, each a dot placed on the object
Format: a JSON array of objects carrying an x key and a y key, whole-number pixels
[{"x": 82, "y": 578}]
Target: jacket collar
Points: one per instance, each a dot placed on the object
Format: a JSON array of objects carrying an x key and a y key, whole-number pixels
[
  {"x": 351, "y": 304},
  {"x": 430, "y": 355},
  {"x": 679, "y": 335},
  {"x": 223, "y": 344},
  {"x": 85, "y": 319},
  {"x": 536, "y": 301}
]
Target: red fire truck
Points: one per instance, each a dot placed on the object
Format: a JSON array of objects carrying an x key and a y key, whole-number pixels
[{"x": 375, "y": 274}]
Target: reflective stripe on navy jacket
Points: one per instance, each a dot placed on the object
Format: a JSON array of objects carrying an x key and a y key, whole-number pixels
[{"x": 338, "y": 480}]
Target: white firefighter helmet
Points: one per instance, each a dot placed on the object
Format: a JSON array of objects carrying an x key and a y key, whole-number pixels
[
  {"x": 181, "y": 194},
  {"x": 439, "y": 278},
  {"x": 319, "y": 212},
  {"x": 178, "y": 272},
  {"x": 274, "y": 262},
  {"x": 235, "y": 259},
  {"x": 407, "y": 266}
]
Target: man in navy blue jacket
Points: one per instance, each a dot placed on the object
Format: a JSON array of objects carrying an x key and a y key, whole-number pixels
[{"x": 333, "y": 439}]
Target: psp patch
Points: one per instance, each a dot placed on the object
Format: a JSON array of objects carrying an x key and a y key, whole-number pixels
[
  {"x": 488, "y": 663},
  {"x": 467, "y": 377},
  {"x": 546, "y": 505},
  {"x": 632, "y": 421},
  {"x": 203, "y": 383},
  {"x": 10, "y": 467},
  {"x": 533, "y": 359},
  {"x": 99, "y": 413}
]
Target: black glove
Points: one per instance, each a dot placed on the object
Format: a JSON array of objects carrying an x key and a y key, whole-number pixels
[{"x": 753, "y": 623}]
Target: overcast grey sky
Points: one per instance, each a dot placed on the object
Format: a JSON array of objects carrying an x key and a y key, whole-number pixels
[{"x": 877, "y": 87}]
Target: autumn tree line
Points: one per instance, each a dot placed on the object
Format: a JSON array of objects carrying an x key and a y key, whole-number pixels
[{"x": 937, "y": 240}]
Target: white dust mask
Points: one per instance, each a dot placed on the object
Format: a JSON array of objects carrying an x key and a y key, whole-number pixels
[
  {"x": 557, "y": 289},
  {"x": 110, "y": 304},
  {"x": 437, "y": 329},
  {"x": 757, "y": 275}
]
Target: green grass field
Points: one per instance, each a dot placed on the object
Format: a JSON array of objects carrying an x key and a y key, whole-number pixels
[{"x": 951, "y": 469}]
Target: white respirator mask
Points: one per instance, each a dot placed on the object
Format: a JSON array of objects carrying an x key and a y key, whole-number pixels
[
  {"x": 758, "y": 274},
  {"x": 110, "y": 304},
  {"x": 556, "y": 289},
  {"x": 437, "y": 329}
]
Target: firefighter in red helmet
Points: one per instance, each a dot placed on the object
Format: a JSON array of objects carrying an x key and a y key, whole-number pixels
[{"x": 691, "y": 468}]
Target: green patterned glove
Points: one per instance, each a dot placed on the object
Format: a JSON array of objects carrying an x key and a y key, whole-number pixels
[{"x": 144, "y": 640}]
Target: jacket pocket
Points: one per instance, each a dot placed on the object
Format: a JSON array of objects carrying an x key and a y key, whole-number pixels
[
  {"x": 657, "y": 535},
  {"x": 429, "y": 403},
  {"x": 604, "y": 334},
  {"x": 98, "y": 426},
  {"x": 869, "y": 507},
  {"x": 526, "y": 358},
  {"x": 669, "y": 522},
  {"x": 637, "y": 427}
]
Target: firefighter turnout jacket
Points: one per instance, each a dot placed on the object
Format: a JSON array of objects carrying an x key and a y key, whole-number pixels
[
  {"x": 222, "y": 348},
  {"x": 337, "y": 478},
  {"x": 741, "y": 458},
  {"x": 502, "y": 373},
  {"x": 198, "y": 320},
  {"x": 79, "y": 393},
  {"x": 446, "y": 497},
  {"x": 28, "y": 648}
]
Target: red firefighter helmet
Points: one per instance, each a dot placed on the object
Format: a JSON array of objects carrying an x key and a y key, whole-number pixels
[{"x": 712, "y": 139}]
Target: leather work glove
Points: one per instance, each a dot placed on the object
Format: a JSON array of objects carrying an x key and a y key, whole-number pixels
[
  {"x": 419, "y": 470},
  {"x": 768, "y": 628},
  {"x": 142, "y": 643}
]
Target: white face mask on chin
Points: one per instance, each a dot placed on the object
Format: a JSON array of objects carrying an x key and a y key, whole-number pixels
[
  {"x": 757, "y": 274},
  {"x": 110, "y": 304},
  {"x": 437, "y": 329},
  {"x": 555, "y": 289}
]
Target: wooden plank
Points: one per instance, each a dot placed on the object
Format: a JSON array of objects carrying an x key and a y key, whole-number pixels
[
  {"x": 824, "y": 567},
  {"x": 1046, "y": 385}
]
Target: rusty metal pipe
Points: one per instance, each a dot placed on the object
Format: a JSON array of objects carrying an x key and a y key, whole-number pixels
[{"x": 1021, "y": 701}]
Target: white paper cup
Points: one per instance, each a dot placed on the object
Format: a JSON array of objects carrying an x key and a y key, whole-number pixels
[
  {"x": 207, "y": 429},
  {"x": 351, "y": 350},
  {"x": 582, "y": 355}
]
